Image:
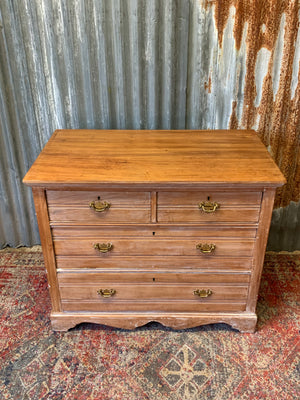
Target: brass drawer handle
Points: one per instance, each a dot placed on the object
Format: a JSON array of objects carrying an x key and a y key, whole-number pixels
[
  {"x": 103, "y": 247},
  {"x": 99, "y": 206},
  {"x": 203, "y": 292},
  {"x": 106, "y": 292},
  {"x": 208, "y": 206},
  {"x": 206, "y": 247}
]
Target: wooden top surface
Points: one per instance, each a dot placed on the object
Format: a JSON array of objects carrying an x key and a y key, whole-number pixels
[{"x": 132, "y": 158}]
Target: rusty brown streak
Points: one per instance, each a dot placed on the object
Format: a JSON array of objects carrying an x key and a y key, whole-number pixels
[{"x": 279, "y": 125}]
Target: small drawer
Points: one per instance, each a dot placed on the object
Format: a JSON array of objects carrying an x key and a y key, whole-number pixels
[
  {"x": 98, "y": 207},
  {"x": 205, "y": 207},
  {"x": 84, "y": 198},
  {"x": 63, "y": 215},
  {"x": 224, "y": 199},
  {"x": 105, "y": 246}
]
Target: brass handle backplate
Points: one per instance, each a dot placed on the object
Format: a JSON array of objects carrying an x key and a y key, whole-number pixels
[
  {"x": 206, "y": 247},
  {"x": 106, "y": 292},
  {"x": 103, "y": 247},
  {"x": 208, "y": 206},
  {"x": 99, "y": 206},
  {"x": 203, "y": 292}
]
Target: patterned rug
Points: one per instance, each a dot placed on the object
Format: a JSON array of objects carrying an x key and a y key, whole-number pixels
[{"x": 152, "y": 362}]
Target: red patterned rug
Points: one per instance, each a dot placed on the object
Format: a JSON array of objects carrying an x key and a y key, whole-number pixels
[{"x": 152, "y": 362}]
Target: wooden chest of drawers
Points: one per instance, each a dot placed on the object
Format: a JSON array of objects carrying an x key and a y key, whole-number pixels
[{"x": 167, "y": 226}]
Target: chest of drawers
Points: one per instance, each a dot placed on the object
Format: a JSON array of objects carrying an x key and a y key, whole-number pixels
[{"x": 167, "y": 226}]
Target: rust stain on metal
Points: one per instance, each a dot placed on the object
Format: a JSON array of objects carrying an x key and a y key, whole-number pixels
[
  {"x": 234, "y": 122},
  {"x": 207, "y": 85},
  {"x": 263, "y": 18},
  {"x": 279, "y": 123}
]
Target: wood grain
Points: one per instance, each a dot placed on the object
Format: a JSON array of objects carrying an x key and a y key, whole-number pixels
[
  {"x": 83, "y": 198},
  {"x": 87, "y": 215},
  {"x": 40, "y": 203},
  {"x": 153, "y": 207},
  {"x": 153, "y": 247},
  {"x": 151, "y": 157},
  {"x": 244, "y": 321},
  {"x": 159, "y": 292},
  {"x": 223, "y": 198},
  {"x": 111, "y": 230},
  {"x": 194, "y": 215},
  {"x": 167, "y": 306},
  {"x": 153, "y": 277},
  {"x": 154, "y": 263},
  {"x": 260, "y": 247}
]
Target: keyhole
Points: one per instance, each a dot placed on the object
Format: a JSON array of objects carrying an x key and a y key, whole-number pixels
[
  {"x": 208, "y": 197},
  {"x": 98, "y": 197},
  {"x": 153, "y": 279},
  {"x": 153, "y": 233}
]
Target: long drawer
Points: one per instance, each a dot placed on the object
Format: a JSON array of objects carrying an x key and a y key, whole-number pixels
[
  {"x": 105, "y": 246},
  {"x": 170, "y": 263},
  {"x": 162, "y": 291},
  {"x": 141, "y": 291},
  {"x": 153, "y": 306},
  {"x": 71, "y": 278},
  {"x": 226, "y": 231}
]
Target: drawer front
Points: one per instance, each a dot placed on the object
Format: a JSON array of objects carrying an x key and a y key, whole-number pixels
[
  {"x": 150, "y": 277},
  {"x": 98, "y": 207},
  {"x": 153, "y": 292},
  {"x": 165, "y": 293},
  {"x": 169, "y": 263},
  {"x": 84, "y": 198},
  {"x": 114, "y": 246},
  {"x": 88, "y": 216},
  {"x": 153, "y": 306},
  {"x": 194, "y": 215},
  {"x": 224, "y": 199},
  {"x": 202, "y": 207},
  {"x": 157, "y": 231}
]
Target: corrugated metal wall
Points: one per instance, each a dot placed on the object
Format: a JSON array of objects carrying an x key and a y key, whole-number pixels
[{"x": 140, "y": 64}]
